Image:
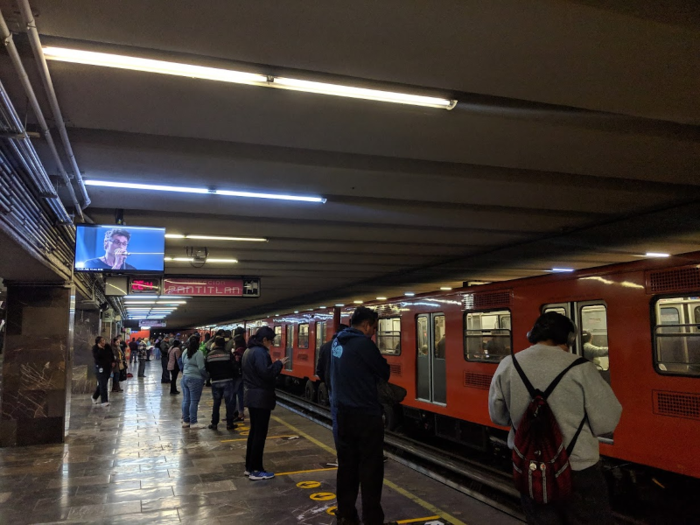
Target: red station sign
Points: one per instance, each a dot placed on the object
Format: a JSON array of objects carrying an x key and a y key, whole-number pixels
[{"x": 211, "y": 287}]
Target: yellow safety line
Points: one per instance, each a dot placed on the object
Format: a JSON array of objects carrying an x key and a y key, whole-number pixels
[
  {"x": 304, "y": 471},
  {"x": 415, "y": 520},
  {"x": 246, "y": 439},
  {"x": 390, "y": 484}
]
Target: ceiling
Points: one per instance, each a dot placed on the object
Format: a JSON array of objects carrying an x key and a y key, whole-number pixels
[{"x": 575, "y": 141}]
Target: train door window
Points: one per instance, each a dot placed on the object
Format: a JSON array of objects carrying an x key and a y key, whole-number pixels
[
  {"x": 439, "y": 378},
  {"x": 594, "y": 336},
  {"x": 303, "y": 336},
  {"x": 431, "y": 364},
  {"x": 567, "y": 309},
  {"x": 422, "y": 359},
  {"x": 389, "y": 336},
  {"x": 289, "y": 348},
  {"x": 277, "y": 341},
  {"x": 676, "y": 336},
  {"x": 487, "y": 336},
  {"x": 320, "y": 338}
]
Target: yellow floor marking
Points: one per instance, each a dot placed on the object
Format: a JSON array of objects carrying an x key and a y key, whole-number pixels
[
  {"x": 305, "y": 471},
  {"x": 246, "y": 439},
  {"x": 390, "y": 484},
  {"x": 415, "y": 520}
]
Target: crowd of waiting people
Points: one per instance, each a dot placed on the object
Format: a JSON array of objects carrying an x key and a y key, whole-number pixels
[{"x": 577, "y": 401}]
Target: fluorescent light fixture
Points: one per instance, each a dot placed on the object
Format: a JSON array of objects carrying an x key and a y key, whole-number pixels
[
  {"x": 381, "y": 298},
  {"x": 409, "y": 294},
  {"x": 322, "y": 307},
  {"x": 445, "y": 288},
  {"x": 92, "y": 58},
  {"x": 340, "y": 304},
  {"x": 213, "y": 237},
  {"x": 562, "y": 270},
  {"x": 139, "y": 302},
  {"x": 232, "y": 261},
  {"x": 183, "y": 189},
  {"x": 296, "y": 311},
  {"x": 163, "y": 67},
  {"x": 171, "y": 302},
  {"x": 657, "y": 254},
  {"x": 378, "y": 95},
  {"x": 358, "y": 302}
]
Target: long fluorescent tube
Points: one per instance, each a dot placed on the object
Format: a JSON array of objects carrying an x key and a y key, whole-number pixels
[
  {"x": 657, "y": 254},
  {"x": 163, "y": 67},
  {"x": 562, "y": 270},
  {"x": 92, "y": 58},
  {"x": 183, "y": 189},
  {"x": 213, "y": 237},
  {"x": 190, "y": 259},
  {"x": 322, "y": 88}
]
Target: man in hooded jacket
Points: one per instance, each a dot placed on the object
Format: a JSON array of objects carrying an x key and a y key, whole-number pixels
[{"x": 356, "y": 367}]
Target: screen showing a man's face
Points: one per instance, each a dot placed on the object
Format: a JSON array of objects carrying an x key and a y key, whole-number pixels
[
  {"x": 106, "y": 248},
  {"x": 116, "y": 242}
]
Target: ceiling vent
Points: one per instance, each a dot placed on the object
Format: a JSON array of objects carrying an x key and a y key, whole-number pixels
[
  {"x": 677, "y": 404},
  {"x": 684, "y": 279},
  {"x": 481, "y": 301}
]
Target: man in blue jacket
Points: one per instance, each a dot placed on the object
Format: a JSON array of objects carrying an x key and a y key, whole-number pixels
[{"x": 356, "y": 367}]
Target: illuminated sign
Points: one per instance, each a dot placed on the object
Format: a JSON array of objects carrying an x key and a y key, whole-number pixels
[
  {"x": 142, "y": 285},
  {"x": 212, "y": 287}
]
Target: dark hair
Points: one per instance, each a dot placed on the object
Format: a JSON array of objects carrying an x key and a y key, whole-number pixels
[
  {"x": 586, "y": 336},
  {"x": 219, "y": 341},
  {"x": 117, "y": 231},
  {"x": 341, "y": 327},
  {"x": 362, "y": 314},
  {"x": 227, "y": 333},
  {"x": 192, "y": 346},
  {"x": 98, "y": 339},
  {"x": 554, "y": 326},
  {"x": 207, "y": 336},
  {"x": 221, "y": 331},
  {"x": 239, "y": 331},
  {"x": 263, "y": 333},
  {"x": 238, "y": 341},
  {"x": 176, "y": 343}
]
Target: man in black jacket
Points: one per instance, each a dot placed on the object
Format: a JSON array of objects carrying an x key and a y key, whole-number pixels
[
  {"x": 356, "y": 367},
  {"x": 104, "y": 358},
  {"x": 224, "y": 373}
]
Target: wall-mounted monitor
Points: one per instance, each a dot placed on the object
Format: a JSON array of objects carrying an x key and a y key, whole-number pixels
[{"x": 119, "y": 249}]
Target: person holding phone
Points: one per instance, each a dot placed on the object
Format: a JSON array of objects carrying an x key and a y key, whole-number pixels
[{"x": 259, "y": 374}]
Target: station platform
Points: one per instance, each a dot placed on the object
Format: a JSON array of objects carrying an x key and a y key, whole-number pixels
[{"x": 132, "y": 462}]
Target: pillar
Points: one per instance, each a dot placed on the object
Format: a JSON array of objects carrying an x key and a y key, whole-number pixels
[
  {"x": 36, "y": 370},
  {"x": 87, "y": 326}
]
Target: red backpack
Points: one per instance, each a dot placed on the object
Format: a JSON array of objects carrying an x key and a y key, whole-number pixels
[{"x": 541, "y": 467}]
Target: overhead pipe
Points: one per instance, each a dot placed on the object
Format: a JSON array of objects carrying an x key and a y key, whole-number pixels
[
  {"x": 45, "y": 75},
  {"x": 26, "y": 84}
]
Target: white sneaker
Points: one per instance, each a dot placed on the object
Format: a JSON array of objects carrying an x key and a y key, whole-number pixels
[
  {"x": 94, "y": 401},
  {"x": 198, "y": 426},
  {"x": 105, "y": 404}
]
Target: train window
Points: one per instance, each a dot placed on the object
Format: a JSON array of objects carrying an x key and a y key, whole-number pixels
[
  {"x": 303, "y": 336},
  {"x": 278, "y": 337},
  {"x": 389, "y": 336},
  {"x": 677, "y": 335},
  {"x": 422, "y": 336},
  {"x": 487, "y": 336},
  {"x": 594, "y": 334},
  {"x": 320, "y": 338},
  {"x": 439, "y": 336}
]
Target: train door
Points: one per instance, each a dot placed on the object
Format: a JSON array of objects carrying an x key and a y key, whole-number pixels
[
  {"x": 320, "y": 339},
  {"x": 289, "y": 345},
  {"x": 431, "y": 372}
]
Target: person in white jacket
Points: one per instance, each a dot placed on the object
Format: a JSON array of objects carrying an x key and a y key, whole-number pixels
[{"x": 581, "y": 393}]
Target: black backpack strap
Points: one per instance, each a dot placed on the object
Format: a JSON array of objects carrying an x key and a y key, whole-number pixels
[
  {"x": 530, "y": 389},
  {"x": 572, "y": 444},
  {"x": 553, "y": 384}
]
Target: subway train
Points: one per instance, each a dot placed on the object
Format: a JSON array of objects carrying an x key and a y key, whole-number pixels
[{"x": 638, "y": 322}]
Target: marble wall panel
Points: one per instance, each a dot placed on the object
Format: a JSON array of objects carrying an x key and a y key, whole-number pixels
[
  {"x": 36, "y": 364},
  {"x": 86, "y": 328}
]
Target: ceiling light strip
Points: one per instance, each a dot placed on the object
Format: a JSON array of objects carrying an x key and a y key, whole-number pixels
[
  {"x": 163, "y": 67},
  {"x": 213, "y": 237}
]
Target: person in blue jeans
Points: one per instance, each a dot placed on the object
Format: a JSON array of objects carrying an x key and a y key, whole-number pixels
[
  {"x": 225, "y": 374},
  {"x": 193, "y": 376}
]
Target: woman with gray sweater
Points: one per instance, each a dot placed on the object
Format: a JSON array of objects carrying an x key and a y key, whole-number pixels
[{"x": 193, "y": 376}]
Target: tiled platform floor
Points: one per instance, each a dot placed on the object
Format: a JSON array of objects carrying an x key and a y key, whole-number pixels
[{"x": 133, "y": 463}]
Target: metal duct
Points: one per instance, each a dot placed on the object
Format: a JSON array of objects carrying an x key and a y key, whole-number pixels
[
  {"x": 19, "y": 67},
  {"x": 45, "y": 75}
]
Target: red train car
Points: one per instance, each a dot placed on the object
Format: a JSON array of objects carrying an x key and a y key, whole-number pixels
[{"x": 444, "y": 347}]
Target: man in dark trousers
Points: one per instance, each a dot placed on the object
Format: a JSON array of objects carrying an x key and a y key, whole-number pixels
[
  {"x": 323, "y": 371},
  {"x": 356, "y": 367},
  {"x": 104, "y": 359}
]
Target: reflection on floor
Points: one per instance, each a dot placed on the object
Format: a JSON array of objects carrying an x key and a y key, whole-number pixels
[{"x": 133, "y": 463}]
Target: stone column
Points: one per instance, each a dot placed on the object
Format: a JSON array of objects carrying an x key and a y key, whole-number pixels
[
  {"x": 87, "y": 327},
  {"x": 37, "y": 364}
]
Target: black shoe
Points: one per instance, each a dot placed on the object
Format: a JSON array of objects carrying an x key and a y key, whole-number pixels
[
  {"x": 174, "y": 393},
  {"x": 230, "y": 427},
  {"x": 212, "y": 427}
]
